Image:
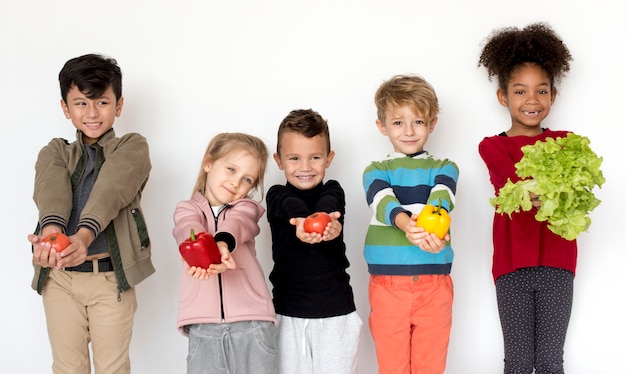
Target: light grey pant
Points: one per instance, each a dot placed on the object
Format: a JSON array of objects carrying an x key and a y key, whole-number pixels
[
  {"x": 232, "y": 348},
  {"x": 318, "y": 345}
]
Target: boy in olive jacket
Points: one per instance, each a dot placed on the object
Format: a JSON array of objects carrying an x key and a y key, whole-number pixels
[{"x": 90, "y": 190}]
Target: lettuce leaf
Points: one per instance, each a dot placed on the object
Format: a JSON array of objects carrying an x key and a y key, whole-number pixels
[{"x": 563, "y": 172}]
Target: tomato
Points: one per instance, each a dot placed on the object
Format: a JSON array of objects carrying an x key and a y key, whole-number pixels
[
  {"x": 317, "y": 222},
  {"x": 57, "y": 240},
  {"x": 434, "y": 220}
]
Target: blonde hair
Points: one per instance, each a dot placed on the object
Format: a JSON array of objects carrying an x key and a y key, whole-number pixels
[
  {"x": 411, "y": 90},
  {"x": 223, "y": 144}
]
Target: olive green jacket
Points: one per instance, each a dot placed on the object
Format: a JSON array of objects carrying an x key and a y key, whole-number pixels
[{"x": 113, "y": 208}]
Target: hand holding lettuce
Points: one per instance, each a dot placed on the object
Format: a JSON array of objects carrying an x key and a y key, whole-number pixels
[{"x": 563, "y": 172}]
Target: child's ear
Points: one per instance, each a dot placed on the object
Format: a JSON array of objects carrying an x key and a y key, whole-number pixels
[
  {"x": 329, "y": 158},
  {"x": 66, "y": 109},
  {"x": 502, "y": 99},
  {"x": 553, "y": 95},
  {"x": 381, "y": 127},
  {"x": 118, "y": 106},
  {"x": 278, "y": 161},
  {"x": 432, "y": 124}
]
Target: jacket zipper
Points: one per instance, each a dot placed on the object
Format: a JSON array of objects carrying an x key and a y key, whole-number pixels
[
  {"x": 97, "y": 165},
  {"x": 219, "y": 278},
  {"x": 96, "y": 170},
  {"x": 219, "y": 281}
]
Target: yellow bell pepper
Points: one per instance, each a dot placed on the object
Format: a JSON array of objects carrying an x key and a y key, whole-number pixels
[{"x": 434, "y": 220}]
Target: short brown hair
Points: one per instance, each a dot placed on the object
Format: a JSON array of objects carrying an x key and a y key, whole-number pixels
[{"x": 306, "y": 122}]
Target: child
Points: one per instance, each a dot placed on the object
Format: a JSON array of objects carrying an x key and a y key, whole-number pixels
[
  {"x": 88, "y": 288},
  {"x": 226, "y": 310},
  {"x": 410, "y": 288},
  {"x": 533, "y": 268},
  {"x": 318, "y": 324}
]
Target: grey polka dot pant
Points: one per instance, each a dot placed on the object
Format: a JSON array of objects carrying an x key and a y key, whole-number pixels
[{"x": 535, "y": 306}]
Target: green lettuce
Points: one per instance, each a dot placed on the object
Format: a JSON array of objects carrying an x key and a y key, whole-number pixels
[{"x": 563, "y": 172}]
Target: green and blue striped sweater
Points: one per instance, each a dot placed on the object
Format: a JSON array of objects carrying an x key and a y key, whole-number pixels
[{"x": 404, "y": 184}]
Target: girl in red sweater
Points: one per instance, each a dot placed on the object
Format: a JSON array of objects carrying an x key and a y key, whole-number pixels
[{"x": 533, "y": 268}]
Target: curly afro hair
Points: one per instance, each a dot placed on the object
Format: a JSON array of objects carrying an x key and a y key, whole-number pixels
[{"x": 508, "y": 48}]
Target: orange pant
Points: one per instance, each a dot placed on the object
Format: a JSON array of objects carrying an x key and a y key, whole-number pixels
[{"x": 410, "y": 321}]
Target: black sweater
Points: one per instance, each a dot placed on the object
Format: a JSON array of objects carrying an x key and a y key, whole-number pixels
[{"x": 310, "y": 280}]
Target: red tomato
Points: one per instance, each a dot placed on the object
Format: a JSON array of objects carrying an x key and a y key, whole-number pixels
[
  {"x": 57, "y": 240},
  {"x": 317, "y": 222}
]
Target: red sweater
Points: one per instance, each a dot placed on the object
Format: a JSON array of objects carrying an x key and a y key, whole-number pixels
[{"x": 521, "y": 241}]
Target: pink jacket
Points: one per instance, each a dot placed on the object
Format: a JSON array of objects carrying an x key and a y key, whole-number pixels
[{"x": 244, "y": 292}]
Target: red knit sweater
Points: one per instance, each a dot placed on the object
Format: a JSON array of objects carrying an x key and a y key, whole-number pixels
[{"x": 521, "y": 241}]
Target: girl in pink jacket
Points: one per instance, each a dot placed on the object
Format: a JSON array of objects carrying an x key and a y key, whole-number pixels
[{"x": 226, "y": 309}]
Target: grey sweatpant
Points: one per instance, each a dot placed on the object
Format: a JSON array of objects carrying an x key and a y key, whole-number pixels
[
  {"x": 318, "y": 345},
  {"x": 232, "y": 348}
]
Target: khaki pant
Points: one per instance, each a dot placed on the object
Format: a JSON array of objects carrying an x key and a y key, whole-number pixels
[{"x": 83, "y": 308}]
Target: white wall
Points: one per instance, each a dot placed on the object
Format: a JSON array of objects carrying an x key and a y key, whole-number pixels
[{"x": 195, "y": 68}]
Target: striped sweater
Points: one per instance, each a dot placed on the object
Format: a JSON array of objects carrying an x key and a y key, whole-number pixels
[{"x": 404, "y": 184}]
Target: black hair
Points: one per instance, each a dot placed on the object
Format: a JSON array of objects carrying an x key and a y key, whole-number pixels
[
  {"x": 92, "y": 74},
  {"x": 508, "y": 48}
]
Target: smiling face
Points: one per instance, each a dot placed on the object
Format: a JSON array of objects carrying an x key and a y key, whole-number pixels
[
  {"x": 406, "y": 129},
  {"x": 304, "y": 160},
  {"x": 231, "y": 177},
  {"x": 93, "y": 117},
  {"x": 528, "y": 97}
]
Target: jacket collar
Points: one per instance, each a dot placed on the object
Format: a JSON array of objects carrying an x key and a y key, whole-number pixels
[{"x": 103, "y": 139}]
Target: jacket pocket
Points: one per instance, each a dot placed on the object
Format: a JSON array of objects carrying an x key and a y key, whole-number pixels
[{"x": 142, "y": 229}]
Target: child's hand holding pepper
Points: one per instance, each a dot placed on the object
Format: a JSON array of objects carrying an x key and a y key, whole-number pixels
[
  {"x": 228, "y": 262},
  {"x": 418, "y": 236}
]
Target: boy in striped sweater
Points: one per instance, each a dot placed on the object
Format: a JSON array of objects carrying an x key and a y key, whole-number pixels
[{"x": 410, "y": 289}]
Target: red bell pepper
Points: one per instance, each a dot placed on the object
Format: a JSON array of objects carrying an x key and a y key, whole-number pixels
[{"x": 200, "y": 250}]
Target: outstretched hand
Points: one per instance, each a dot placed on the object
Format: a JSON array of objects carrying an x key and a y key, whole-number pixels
[
  {"x": 332, "y": 230},
  {"x": 227, "y": 263},
  {"x": 426, "y": 241},
  {"x": 74, "y": 254}
]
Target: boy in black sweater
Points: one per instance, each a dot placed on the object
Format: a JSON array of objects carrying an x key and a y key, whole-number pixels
[{"x": 318, "y": 324}]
